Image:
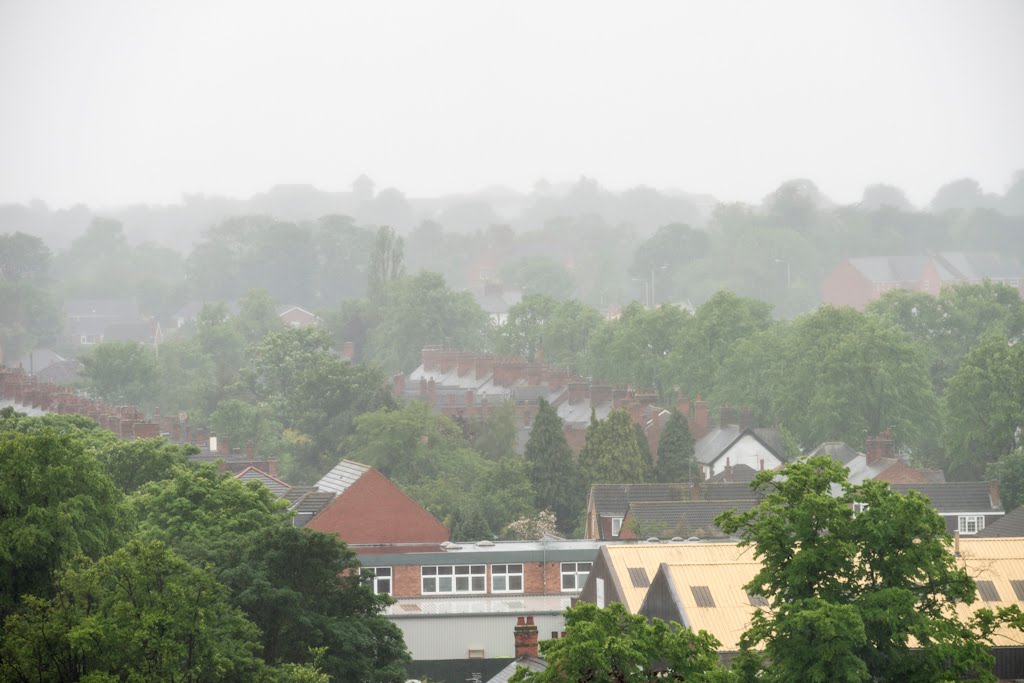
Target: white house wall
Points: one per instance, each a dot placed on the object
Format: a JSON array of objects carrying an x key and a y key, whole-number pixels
[
  {"x": 746, "y": 451},
  {"x": 452, "y": 637}
]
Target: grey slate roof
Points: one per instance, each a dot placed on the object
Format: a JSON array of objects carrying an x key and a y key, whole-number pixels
[
  {"x": 974, "y": 266},
  {"x": 506, "y": 674},
  {"x": 837, "y": 450},
  {"x": 955, "y": 496},
  {"x": 276, "y": 486},
  {"x": 63, "y": 372},
  {"x": 341, "y": 476},
  {"x": 721, "y": 490},
  {"x": 306, "y": 502},
  {"x": 122, "y": 309},
  {"x": 612, "y": 500},
  {"x": 686, "y": 518},
  {"x": 1010, "y": 525},
  {"x": 890, "y": 268},
  {"x": 742, "y": 474},
  {"x": 712, "y": 445}
]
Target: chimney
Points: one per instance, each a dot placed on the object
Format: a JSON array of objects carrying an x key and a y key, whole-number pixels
[
  {"x": 348, "y": 351},
  {"x": 223, "y": 446},
  {"x": 577, "y": 391},
  {"x": 465, "y": 363},
  {"x": 399, "y": 384},
  {"x": 250, "y": 450},
  {"x": 993, "y": 494},
  {"x": 746, "y": 418},
  {"x": 881, "y": 446},
  {"x": 726, "y": 416},
  {"x": 699, "y": 426},
  {"x": 600, "y": 394},
  {"x": 728, "y": 471},
  {"x": 526, "y": 638},
  {"x": 683, "y": 406}
]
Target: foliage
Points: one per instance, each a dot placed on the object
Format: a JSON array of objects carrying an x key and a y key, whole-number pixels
[
  {"x": 552, "y": 468},
  {"x": 612, "y": 645},
  {"x": 419, "y": 311},
  {"x": 539, "y": 275},
  {"x": 386, "y": 262},
  {"x": 675, "y": 452},
  {"x": 300, "y": 587},
  {"x": 494, "y": 435},
  {"x": 27, "y": 312},
  {"x": 122, "y": 373},
  {"x": 140, "y": 614},
  {"x": 835, "y": 374},
  {"x": 848, "y": 593},
  {"x": 1009, "y": 472},
  {"x": 130, "y": 464},
  {"x": 531, "y": 528},
  {"x": 611, "y": 455},
  {"x": 983, "y": 409},
  {"x": 541, "y": 328},
  {"x": 56, "y": 502}
]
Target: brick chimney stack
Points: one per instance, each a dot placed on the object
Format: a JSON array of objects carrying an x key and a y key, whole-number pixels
[
  {"x": 881, "y": 446},
  {"x": 526, "y": 638}
]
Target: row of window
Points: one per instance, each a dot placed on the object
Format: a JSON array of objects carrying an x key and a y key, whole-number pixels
[{"x": 472, "y": 578}]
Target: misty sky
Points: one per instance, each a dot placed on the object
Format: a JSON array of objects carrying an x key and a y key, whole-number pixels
[{"x": 136, "y": 101}]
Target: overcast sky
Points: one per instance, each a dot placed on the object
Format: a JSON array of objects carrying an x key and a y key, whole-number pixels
[{"x": 136, "y": 101}]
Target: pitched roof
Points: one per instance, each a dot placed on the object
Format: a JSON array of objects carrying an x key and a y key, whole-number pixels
[
  {"x": 715, "y": 443},
  {"x": 727, "y": 490},
  {"x": 720, "y": 570},
  {"x": 837, "y": 450},
  {"x": 124, "y": 309},
  {"x": 612, "y": 500},
  {"x": 975, "y": 266},
  {"x": 61, "y": 372},
  {"x": 341, "y": 476},
  {"x": 890, "y": 268},
  {"x": 1010, "y": 525},
  {"x": 506, "y": 674},
  {"x": 142, "y": 331},
  {"x": 955, "y": 496},
  {"x": 276, "y": 486},
  {"x": 684, "y": 518},
  {"x": 741, "y": 474},
  {"x": 306, "y": 502}
]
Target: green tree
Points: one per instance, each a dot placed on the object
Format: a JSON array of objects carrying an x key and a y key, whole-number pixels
[
  {"x": 122, "y": 373},
  {"x": 540, "y": 275},
  {"x": 386, "y": 262},
  {"x": 140, "y": 614},
  {"x": 675, "y": 452},
  {"x": 301, "y": 588},
  {"x": 611, "y": 644},
  {"x": 419, "y": 311},
  {"x": 130, "y": 464},
  {"x": 612, "y": 455},
  {"x": 257, "y": 316},
  {"x": 1009, "y": 472},
  {"x": 539, "y": 327},
  {"x": 27, "y": 312},
  {"x": 494, "y": 435},
  {"x": 56, "y": 502},
  {"x": 983, "y": 407},
  {"x": 552, "y": 469},
  {"x": 867, "y": 596}
]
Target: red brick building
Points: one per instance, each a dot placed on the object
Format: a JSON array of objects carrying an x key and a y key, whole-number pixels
[{"x": 368, "y": 510}]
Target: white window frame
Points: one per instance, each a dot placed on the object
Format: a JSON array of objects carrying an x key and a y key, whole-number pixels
[
  {"x": 504, "y": 578},
  {"x": 966, "y": 522},
  {"x": 860, "y": 507},
  {"x": 578, "y": 573},
  {"x": 445, "y": 579},
  {"x": 616, "y": 526},
  {"x": 382, "y": 575}
]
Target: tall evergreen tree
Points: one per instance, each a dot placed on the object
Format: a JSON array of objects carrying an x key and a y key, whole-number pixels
[
  {"x": 612, "y": 455},
  {"x": 675, "y": 452},
  {"x": 645, "y": 451},
  {"x": 553, "y": 471}
]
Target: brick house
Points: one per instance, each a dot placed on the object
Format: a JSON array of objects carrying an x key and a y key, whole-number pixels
[
  {"x": 368, "y": 508},
  {"x": 857, "y": 281},
  {"x": 461, "y": 600},
  {"x": 296, "y": 316},
  {"x": 879, "y": 463}
]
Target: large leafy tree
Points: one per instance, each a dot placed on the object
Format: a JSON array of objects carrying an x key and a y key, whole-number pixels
[
  {"x": 56, "y": 502},
  {"x": 675, "y": 452},
  {"x": 140, "y": 614},
  {"x": 542, "y": 328},
  {"x": 984, "y": 406},
  {"x": 552, "y": 468},
  {"x": 610, "y": 644},
  {"x": 301, "y": 588},
  {"x": 130, "y": 464},
  {"x": 867, "y": 596},
  {"x": 27, "y": 312},
  {"x": 611, "y": 454},
  {"x": 122, "y": 373},
  {"x": 1009, "y": 472}
]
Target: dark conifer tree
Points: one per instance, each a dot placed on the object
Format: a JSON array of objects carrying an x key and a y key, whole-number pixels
[
  {"x": 553, "y": 471},
  {"x": 675, "y": 452}
]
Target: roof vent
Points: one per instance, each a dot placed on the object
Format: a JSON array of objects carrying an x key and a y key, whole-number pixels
[
  {"x": 653, "y": 539},
  {"x": 486, "y": 544},
  {"x": 677, "y": 539},
  {"x": 692, "y": 539},
  {"x": 454, "y": 546}
]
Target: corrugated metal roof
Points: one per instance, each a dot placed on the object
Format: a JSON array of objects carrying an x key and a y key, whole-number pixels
[
  {"x": 731, "y": 612},
  {"x": 650, "y": 556},
  {"x": 343, "y": 475}
]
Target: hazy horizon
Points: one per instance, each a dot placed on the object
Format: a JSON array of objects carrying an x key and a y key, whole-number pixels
[{"x": 117, "y": 103}]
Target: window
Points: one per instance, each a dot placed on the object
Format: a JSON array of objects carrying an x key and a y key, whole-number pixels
[
  {"x": 638, "y": 577},
  {"x": 381, "y": 580},
  {"x": 702, "y": 596},
  {"x": 860, "y": 507},
  {"x": 458, "y": 578},
  {"x": 971, "y": 524},
  {"x": 507, "y": 578},
  {"x": 756, "y": 600},
  {"x": 574, "y": 575},
  {"x": 988, "y": 591},
  {"x": 616, "y": 526}
]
